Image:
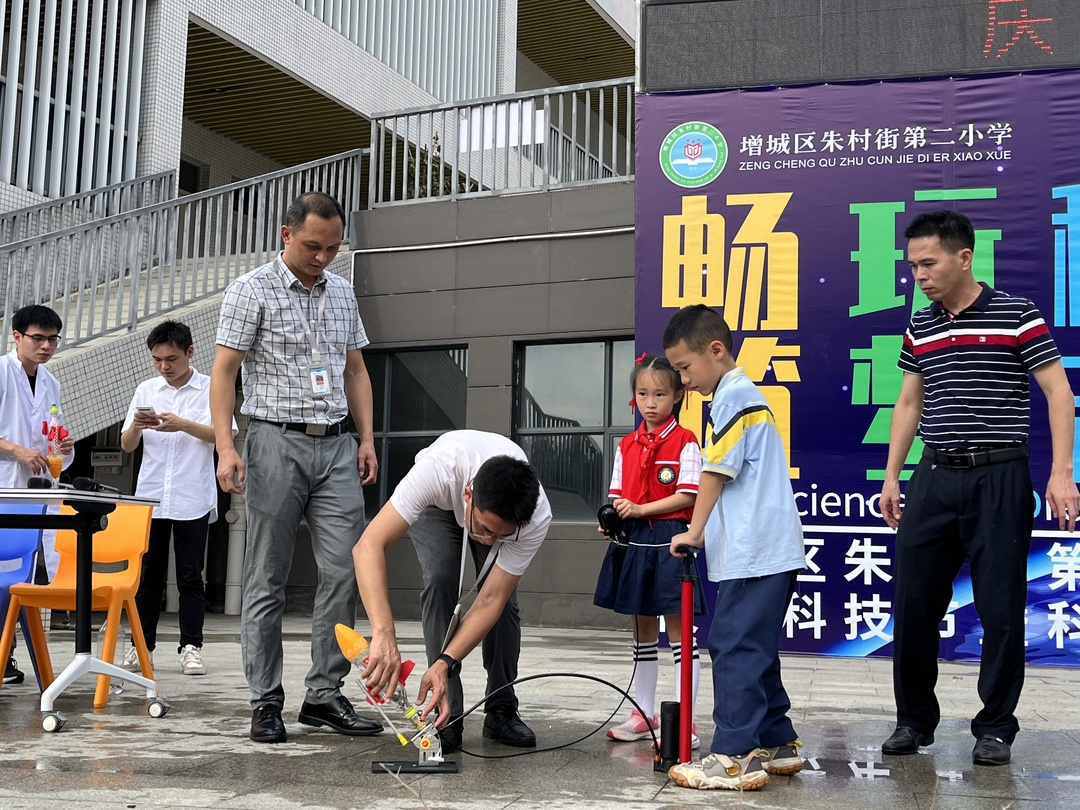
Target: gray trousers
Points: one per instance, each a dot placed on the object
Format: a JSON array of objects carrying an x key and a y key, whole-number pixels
[
  {"x": 292, "y": 475},
  {"x": 437, "y": 537}
]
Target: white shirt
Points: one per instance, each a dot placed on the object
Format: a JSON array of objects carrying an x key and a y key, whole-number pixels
[
  {"x": 440, "y": 475},
  {"x": 177, "y": 468},
  {"x": 22, "y": 413}
]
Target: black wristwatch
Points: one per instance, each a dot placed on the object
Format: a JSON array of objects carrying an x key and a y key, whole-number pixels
[{"x": 453, "y": 666}]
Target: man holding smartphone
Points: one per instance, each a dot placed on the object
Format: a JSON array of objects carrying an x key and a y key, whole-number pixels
[{"x": 170, "y": 416}]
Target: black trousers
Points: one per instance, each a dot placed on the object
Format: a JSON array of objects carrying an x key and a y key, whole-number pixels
[
  {"x": 189, "y": 546},
  {"x": 984, "y": 514},
  {"x": 437, "y": 538}
]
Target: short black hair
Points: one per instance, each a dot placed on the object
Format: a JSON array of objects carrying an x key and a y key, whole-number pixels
[
  {"x": 508, "y": 487},
  {"x": 953, "y": 229},
  {"x": 36, "y": 315},
  {"x": 697, "y": 326},
  {"x": 313, "y": 202},
  {"x": 166, "y": 332}
]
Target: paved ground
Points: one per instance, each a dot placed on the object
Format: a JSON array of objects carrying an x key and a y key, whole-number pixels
[{"x": 199, "y": 756}]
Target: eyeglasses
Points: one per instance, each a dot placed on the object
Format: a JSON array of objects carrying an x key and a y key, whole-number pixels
[
  {"x": 492, "y": 537},
  {"x": 52, "y": 340}
]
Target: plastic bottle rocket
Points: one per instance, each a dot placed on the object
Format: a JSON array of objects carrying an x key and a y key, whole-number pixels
[
  {"x": 354, "y": 647},
  {"x": 55, "y": 434}
]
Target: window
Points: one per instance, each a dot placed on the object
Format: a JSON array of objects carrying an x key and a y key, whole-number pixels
[
  {"x": 418, "y": 396},
  {"x": 570, "y": 413}
]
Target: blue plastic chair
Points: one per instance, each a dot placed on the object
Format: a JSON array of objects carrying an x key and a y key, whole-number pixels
[{"x": 20, "y": 545}]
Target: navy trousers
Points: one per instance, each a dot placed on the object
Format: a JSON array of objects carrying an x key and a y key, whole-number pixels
[{"x": 750, "y": 704}]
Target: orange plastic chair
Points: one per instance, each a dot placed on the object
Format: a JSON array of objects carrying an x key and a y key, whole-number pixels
[{"x": 124, "y": 540}]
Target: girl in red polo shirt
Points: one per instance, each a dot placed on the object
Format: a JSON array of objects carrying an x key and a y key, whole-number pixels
[{"x": 653, "y": 486}]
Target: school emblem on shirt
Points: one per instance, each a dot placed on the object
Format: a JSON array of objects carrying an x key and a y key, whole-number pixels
[{"x": 666, "y": 475}]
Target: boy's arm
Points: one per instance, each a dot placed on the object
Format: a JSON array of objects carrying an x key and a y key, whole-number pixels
[{"x": 709, "y": 489}]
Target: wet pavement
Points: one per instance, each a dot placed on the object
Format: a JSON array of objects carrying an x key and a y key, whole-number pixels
[{"x": 199, "y": 754}]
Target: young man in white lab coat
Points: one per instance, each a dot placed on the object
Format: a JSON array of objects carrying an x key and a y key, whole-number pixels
[{"x": 27, "y": 392}]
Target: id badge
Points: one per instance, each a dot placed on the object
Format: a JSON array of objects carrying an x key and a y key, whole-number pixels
[{"x": 319, "y": 379}]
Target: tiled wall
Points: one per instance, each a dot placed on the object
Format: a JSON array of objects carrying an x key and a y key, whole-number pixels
[
  {"x": 228, "y": 160},
  {"x": 97, "y": 381}
]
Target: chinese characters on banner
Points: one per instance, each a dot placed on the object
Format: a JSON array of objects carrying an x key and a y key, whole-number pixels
[{"x": 784, "y": 209}]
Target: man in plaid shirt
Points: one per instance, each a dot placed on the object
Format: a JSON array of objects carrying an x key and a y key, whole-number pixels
[{"x": 296, "y": 331}]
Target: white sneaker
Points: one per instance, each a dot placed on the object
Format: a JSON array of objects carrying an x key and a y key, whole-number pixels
[
  {"x": 131, "y": 660},
  {"x": 636, "y": 728},
  {"x": 191, "y": 662},
  {"x": 721, "y": 772}
]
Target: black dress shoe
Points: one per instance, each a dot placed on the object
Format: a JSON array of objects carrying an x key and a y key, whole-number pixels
[
  {"x": 905, "y": 740},
  {"x": 504, "y": 725},
  {"x": 450, "y": 736},
  {"x": 266, "y": 725},
  {"x": 991, "y": 750},
  {"x": 339, "y": 715}
]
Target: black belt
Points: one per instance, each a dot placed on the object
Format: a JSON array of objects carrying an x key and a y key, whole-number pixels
[
  {"x": 979, "y": 457},
  {"x": 310, "y": 429}
]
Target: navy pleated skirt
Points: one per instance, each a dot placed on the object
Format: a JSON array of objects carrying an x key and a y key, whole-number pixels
[{"x": 639, "y": 576}]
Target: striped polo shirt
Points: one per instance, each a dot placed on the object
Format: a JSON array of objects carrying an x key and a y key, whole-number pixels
[{"x": 975, "y": 369}]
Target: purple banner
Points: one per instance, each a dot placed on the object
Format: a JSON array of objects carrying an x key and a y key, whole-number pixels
[{"x": 785, "y": 209}]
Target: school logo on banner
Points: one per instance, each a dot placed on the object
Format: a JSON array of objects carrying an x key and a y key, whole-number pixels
[{"x": 693, "y": 154}]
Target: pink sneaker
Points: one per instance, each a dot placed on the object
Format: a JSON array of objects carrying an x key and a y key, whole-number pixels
[{"x": 636, "y": 728}]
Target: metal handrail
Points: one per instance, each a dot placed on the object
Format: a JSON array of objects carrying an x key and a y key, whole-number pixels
[
  {"x": 562, "y": 136},
  {"x": 113, "y": 273},
  {"x": 63, "y": 212}
]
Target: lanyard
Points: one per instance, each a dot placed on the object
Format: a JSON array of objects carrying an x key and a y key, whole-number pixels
[
  {"x": 313, "y": 337},
  {"x": 455, "y": 618}
]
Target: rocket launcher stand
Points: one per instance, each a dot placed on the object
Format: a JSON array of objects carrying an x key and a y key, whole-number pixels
[{"x": 424, "y": 735}]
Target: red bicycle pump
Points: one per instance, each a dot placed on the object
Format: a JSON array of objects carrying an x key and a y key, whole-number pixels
[{"x": 686, "y": 672}]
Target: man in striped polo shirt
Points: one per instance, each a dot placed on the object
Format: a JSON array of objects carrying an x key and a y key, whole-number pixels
[{"x": 966, "y": 360}]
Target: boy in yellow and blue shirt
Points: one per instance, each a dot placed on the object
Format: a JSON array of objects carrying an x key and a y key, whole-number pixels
[{"x": 745, "y": 517}]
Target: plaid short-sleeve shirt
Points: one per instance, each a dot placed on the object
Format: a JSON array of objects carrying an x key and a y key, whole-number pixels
[{"x": 268, "y": 314}]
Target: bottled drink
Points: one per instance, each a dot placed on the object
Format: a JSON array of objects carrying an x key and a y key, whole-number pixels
[{"x": 55, "y": 435}]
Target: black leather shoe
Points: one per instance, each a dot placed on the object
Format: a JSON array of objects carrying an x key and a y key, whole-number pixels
[
  {"x": 504, "y": 725},
  {"x": 990, "y": 750},
  {"x": 450, "y": 736},
  {"x": 339, "y": 715},
  {"x": 905, "y": 740},
  {"x": 266, "y": 725}
]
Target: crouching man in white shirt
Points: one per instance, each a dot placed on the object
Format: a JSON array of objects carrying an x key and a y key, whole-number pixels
[{"x": 472, "y": 491}]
